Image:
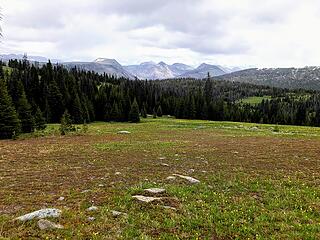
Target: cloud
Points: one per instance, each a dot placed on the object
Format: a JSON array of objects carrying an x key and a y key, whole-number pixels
[{"x": 233, "y": 32}]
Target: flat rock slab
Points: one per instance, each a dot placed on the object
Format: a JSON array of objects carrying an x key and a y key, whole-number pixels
[
  {"x": 155, "y": 190},
  {"x": 171, "y": 178},
  {"x": 145, "y": 199},
  {"x": 42, "y": 213},
  {"x": 46, "y": 224},
  {"x": 189, "y": 179},
  {"x": 124, "y": 132}
]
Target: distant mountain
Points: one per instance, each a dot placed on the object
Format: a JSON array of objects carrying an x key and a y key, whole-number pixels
[
  {"x": 102, "y": 65},
  {"x": 202, "y": 71},
  {"x": 161, "y": 70},
  {"x": 7, "y": 57},
  {"x": 292, "y": 78}
]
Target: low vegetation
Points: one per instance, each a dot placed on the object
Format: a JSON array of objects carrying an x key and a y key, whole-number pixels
[{"x": 256, "y": 181}]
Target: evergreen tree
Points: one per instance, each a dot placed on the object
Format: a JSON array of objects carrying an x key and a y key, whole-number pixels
[
  {"x": 40, "y": 122},
  {"x": 154, "y": 113},
  {"x": 25, "y": 114},
  {"x": 144, "y": 111},
  {"x": 134, "y": 112},
  {"x": 9, "y": 122},
  {"x": 66, "y": 123},
  {"x": 159, "y": 111}
]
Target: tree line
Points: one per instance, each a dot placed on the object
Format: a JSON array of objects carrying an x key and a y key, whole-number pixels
[{"x": 32, "y": 95}]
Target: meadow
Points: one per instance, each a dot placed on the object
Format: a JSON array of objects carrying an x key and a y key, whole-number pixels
[{"x": 256, "y": 181}]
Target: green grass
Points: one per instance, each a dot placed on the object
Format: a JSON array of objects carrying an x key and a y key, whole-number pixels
[
  {"x": 257, "y": 181},
  {"x": 254, "y": 100}
]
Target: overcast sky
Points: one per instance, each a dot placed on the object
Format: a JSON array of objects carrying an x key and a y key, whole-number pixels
[{"x": 263, "y": 33}]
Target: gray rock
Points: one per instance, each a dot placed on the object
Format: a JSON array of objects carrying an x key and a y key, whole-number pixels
[
  {"x": 92, "y": 208},
  {"x": 155, "y": 190},
  {"x": 118, "y": 214},
  {"x": 169, "y": 207},
  {"x": 46, "y": 224},
  {"x": 145, "y": 199},
  {"x": 189, "y": 179},
  {"x": 91, "y": 219},
  {"x": 60, "y": 198},
  {"x": 164, "y": 164},
  {"x": 171, "y": 178},
  {"x": 42, "y": 213}
]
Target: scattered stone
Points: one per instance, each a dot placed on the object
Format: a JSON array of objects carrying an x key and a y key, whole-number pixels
[
  {"x": 162, "y": 158},
  {"x": 60, "y": 198},
  {"x": 165, "y": 164},
  {"x": 171, "y": 178},
  {"x": 101, "y": 185},
  {"x": 155, "y": 190},
  {"x": 91, "y": 219},
  {"x": 145, "y": 199},
  {"x": 118, "y": 214},
  {"x": 203, "y": 171},
  {"x": 254, "y": 129},
  {"x": 117, "y": 173},
  {"x": 191, "y": 171},
  {"x": 190, "y": 179},
  {"x": 169, "y": 207},
  {"x": 124, "y": 132},
  {"x": 92, "y": 208},
  {"x": 42, "y": 213},
  {"x": 46, "y": 224},
  {"x": 85, "y": 191}
]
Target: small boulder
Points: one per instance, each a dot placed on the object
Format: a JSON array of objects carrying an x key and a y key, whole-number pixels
[
  {"x": 46, "y": 224},
  {"x": 60, "y": 198},
  {"x": 155, "y": 190},
  {"x": 42, "y": 213},
  {"x": 92, "y": 208}
]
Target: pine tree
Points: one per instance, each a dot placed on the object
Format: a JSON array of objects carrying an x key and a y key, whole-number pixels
[
  {"x": 154, "y": 113},
  {"x": 159, "y": 111},
  {"x": 144, "y": 111},
  {"x": 66, "y": 123},
  {"x": 134, "y": 112},
  {"x": 9, "y": 122},
  {"x": 25, "y": 114},
  {"x": 39, "y": 120}
]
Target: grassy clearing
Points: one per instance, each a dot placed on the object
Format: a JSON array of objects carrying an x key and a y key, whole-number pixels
[
  {"x": 256, "y": 183},
  {"x": 254, "y": 100}
]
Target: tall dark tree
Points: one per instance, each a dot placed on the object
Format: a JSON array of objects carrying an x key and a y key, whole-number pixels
[
  {"x": 39, "y": 120},
  {"x": 134, "y": 112},
  {"x": 9, "y": 122}
]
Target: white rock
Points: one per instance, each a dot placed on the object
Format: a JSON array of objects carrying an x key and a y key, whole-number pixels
[
  {"x": 171, "y": 178},
  {"x": 146, "y": 199},
  {"x": 46, "y": 224},
  {"x": 42, "y": 213},
  {"x": 190, "y": 179},
  {"x": 117, "y": 214},
  {"x": 101, "y": 185},
  {"x": 91, "y": 219},
  {"x": 155, "y": 190},
  {"x": 124, "y": 132},
  {"x": 162, "y": 158},
  {"x": 92, "y": 208},
  {"x": 60, "y": 198},
  {"x": 117, "y": 173},
  {"x": 169, "y": 207},
  {"x": 191, "y": 171},
  {"x": 165, "y": 164},
  {"x": 85, "y": 191}
]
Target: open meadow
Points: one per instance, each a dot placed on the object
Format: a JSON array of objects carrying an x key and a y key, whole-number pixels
[{"x": 256, "y": 181}]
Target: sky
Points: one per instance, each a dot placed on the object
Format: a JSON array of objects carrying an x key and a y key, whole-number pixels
[{"x": 268, "y": 33}]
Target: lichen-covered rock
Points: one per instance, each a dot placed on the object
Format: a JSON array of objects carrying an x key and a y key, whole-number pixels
[
  {"x": 145, "y": 199},
  {"x": 42, "y": 213},
  {"x": 155, "y": 190}
]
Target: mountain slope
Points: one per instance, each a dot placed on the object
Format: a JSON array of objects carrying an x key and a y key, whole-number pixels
[
  {"x": 292, "y": 78},
  {"x": 202, "y": 71},
  {"x": 102, "y": 65},
  {"x": 161, "y": 70}
]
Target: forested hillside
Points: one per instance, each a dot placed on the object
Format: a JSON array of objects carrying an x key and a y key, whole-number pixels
[{"x": 31, "y": 96}]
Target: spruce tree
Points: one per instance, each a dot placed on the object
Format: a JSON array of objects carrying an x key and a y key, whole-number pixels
[
  {"x": 9, "y": 122},
  {"x": 134, "y": 112},
  {"x": 159, "y": 111},
  {"x": 66, "y": 123},
  {"x": 25, "y": 114},
  {"x": 39, "y": 120}
]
